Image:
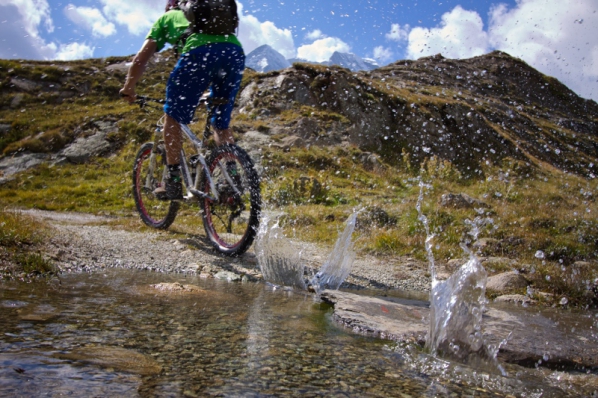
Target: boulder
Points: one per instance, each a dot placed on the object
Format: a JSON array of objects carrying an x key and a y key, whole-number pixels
[
  {"x": 525, "y": 338},
  {"x": 94, "y": 144},
  {"x": 15, "y": 164},
  {"x": 506, "y": 282}
]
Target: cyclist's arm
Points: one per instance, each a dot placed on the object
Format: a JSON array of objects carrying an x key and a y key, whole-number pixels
[{"x": 137, "y": 68}]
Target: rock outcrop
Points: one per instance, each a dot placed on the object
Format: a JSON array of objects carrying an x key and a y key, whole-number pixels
[{"x": 524, "y": 339}]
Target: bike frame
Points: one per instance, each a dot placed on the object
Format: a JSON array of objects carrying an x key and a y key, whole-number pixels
[{"x": 190, "y": 184}]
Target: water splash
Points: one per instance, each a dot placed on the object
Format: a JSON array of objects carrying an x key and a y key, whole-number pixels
[
  {"x": 338, "y": 266},
  {"x": 279, "y": 257},
  {"x": 456, "y": 308},
  {"x": 281, "y": 264}
]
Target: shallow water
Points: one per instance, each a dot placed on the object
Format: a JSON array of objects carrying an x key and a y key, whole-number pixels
[{"x": 110, "y": 334}]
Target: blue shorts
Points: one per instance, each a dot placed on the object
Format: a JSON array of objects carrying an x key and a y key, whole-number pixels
[{"x": 217, "y": 66}]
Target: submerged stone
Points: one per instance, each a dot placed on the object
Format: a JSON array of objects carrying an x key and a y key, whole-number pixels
[{"x": 115, "y": 357}]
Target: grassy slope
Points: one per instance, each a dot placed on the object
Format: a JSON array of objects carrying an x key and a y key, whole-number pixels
[{"x": 545, "y": 209}]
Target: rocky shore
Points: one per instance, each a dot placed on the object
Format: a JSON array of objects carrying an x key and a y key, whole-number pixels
[{"x": 84, "y": 242}]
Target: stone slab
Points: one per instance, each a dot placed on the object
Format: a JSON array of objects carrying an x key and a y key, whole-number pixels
[{"x": 528, "y": 336}]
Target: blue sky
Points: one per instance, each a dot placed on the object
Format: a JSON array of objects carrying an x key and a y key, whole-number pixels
[{"x": 559, "y": 38}]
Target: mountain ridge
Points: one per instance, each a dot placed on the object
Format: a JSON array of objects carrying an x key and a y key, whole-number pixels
[{"x": 423, "y": 108}]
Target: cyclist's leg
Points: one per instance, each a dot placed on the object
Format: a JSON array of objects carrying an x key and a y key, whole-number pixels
[
  {"x": 172, "y": 140},
  {"x": 225, "y": 84},
  {"x": 182, "y": 96},
  {"x": 187, "y": 82}
]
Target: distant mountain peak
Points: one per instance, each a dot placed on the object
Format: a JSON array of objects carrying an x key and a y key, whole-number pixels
[{"x": 265, "y": 59}]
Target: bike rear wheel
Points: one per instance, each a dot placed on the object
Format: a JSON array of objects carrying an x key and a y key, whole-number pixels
[
  {"x": 147, "y": 176},
  {"x": 232, "y": 222}
]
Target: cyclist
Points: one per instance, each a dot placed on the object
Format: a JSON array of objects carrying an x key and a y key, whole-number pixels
[{"x": 214, "y": 62}]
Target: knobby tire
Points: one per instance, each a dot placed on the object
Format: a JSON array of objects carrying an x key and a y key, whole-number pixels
[
  {"x": 155, "y": 213},
  {"x": 231, "y": 223}
]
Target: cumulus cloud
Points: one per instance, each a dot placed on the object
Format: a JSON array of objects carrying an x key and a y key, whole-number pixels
[
  {"x": 137, "y": 16},
  {"x": 91, "y": 19},
  {"x": 253, "y": 33},
  {"x": 382, "y": 54},
  {"x": 73, "y": 51},
  {"x": 322, "y": 49},
  {"x": 557, "y": 38},
  {"x": 560, "y": 41},
  {"x": 398, "y": 33},
  {"x": 20, "y": 29},
  {"x": 315, "y": 35},
  {"x": 460, "y": 35}
]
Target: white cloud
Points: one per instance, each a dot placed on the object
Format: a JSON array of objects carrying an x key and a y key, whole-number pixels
[
  {"x": 137, "y": 16},
  {"x": 33, "y": 13},
  {"x": 382, "y": 54},
  {"x": 322, "y": 49},
  {"x": 397, "y": 33},
  {"x": 74, "y": 51},
  {"x": 253, "y": 33},
  {"x": 20, "y": 29},
  {"x": 558, "y": 38},
  {"x": 91, "y": 19},
  {"x": 315, "y": 35},
  {"x": 460, "y": 35}
]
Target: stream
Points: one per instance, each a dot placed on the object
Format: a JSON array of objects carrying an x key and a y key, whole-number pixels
[{"x": 111, "y": 333}]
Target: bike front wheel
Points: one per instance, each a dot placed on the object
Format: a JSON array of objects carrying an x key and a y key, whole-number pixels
[
  {"x": 232, "y": 221},
  {"x": 147, "y": 176}
]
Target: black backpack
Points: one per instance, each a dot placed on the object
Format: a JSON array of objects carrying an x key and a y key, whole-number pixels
[{"x": 213, "y": 17}]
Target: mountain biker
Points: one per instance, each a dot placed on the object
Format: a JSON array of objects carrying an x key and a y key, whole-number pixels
[{"x": 207, "y": 61}]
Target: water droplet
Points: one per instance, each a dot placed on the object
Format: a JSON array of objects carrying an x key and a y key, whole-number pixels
[{"x": 539, "y": 254}]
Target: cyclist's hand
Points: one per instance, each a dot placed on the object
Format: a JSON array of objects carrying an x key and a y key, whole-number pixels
[{"x": 128, "y": 95}]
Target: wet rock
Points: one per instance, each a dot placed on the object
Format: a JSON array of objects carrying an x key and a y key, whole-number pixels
[
  {"x": 379, "y": 318},
  {"x": 461, "y": 201},
  {"x": 40, "y": 313},
  {"x": 506, "y": 282},
  {"x": 117, "y": 358},
  {"x": 227, "y": 275},
  {"x": 177, "y": 287},
  {"x": 525, "y": 340}
]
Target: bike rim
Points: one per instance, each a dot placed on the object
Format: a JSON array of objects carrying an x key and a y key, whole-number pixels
[
  {"x": 145, "y": 202},
  {"x": 216, "y": 213}
]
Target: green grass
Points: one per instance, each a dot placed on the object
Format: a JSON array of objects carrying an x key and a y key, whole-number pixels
[{"x": 20, "y": 239}]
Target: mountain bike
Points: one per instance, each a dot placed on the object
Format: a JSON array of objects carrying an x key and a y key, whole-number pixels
[{"x": 222, "y": 181}]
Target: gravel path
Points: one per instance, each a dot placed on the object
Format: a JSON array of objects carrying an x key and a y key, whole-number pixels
[{"x": 85, "y": 242}]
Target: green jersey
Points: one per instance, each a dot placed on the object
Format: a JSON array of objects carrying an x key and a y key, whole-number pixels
[{"x": 170, "y": 27}]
